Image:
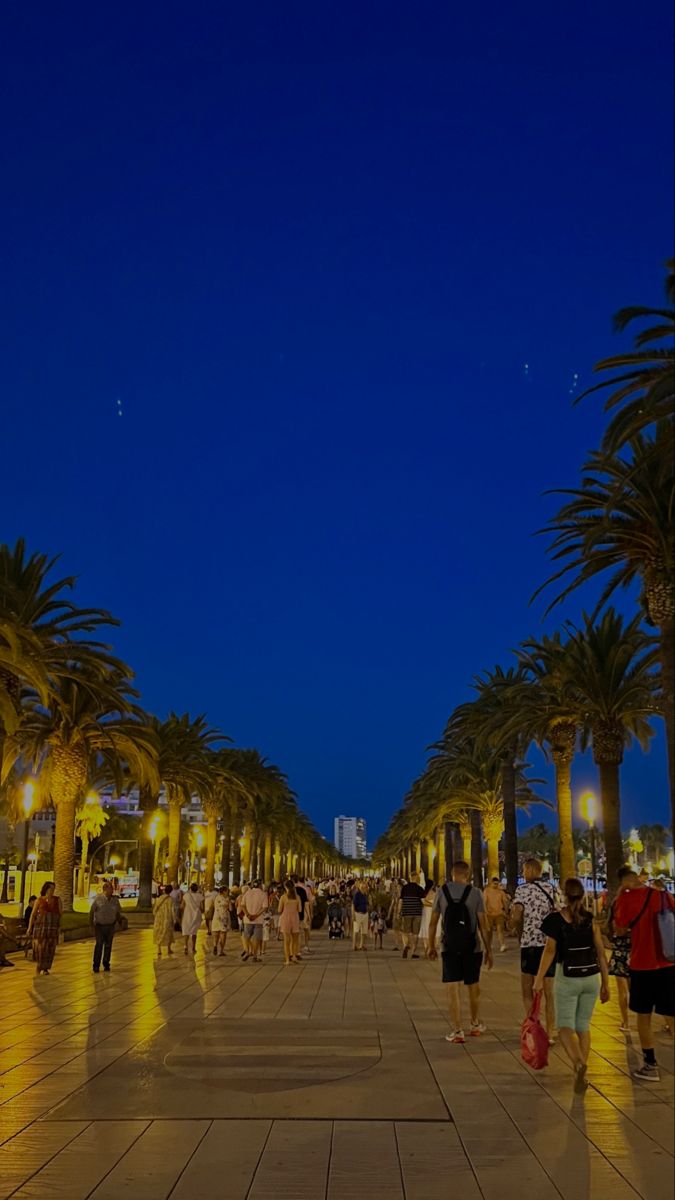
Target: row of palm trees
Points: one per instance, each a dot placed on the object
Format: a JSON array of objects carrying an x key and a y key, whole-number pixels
[
  {"x": 599, "y": 684},
  {"x": 70, "y": 716}
]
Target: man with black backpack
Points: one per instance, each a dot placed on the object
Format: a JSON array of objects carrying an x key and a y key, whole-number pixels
[{"x": 465, "y": 930}]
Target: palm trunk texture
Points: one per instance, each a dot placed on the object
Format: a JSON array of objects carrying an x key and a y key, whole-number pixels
[
  {"x": 611, "y": 819},
  {"x": 476, "y": 849},
  {"x": 510, "y": 826},
  {"x": 563, "y": 792}
]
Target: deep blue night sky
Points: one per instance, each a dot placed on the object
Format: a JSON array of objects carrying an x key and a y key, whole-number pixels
[{"x": 311, "y": 249}]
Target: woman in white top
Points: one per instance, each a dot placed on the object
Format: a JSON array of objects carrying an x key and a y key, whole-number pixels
[
  {"x": 427, "y": 906},
  {"x": 192, "y": 908},
  {"x": 220, "y": 923}
]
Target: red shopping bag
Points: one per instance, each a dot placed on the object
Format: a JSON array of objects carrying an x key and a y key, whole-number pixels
[{"x": 534, "y": 1038}]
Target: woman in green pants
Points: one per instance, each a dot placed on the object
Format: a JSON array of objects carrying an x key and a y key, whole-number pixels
[{"x": 573, "y": 939}]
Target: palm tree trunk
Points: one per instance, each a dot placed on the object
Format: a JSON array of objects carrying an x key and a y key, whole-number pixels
[
  {"x": 267, "y": 866},
  {"x": 465, "y": 828},
  {"x": 81, "y": 889},
  {"x": 563, "y": 792},
  {"x": 227, "y": 848},
  {"x": 667, "y": 640},
  {"x": 476, "y": 849},
  {"x": 4, "y": 895},
  {"x": 174, "y": 802},
  {"x": 146, "y": 856},
  {"x": 441, "y": 871},
  {"x": 236, "y": 862},
  {"x": 611, "y": 820},
  {"x": 145, "y": 851},
  {"x": 424, "y": 858},
  {"x": 448, "y": 835},
  {"x": 211, "y": 842},
  {"x": 64, "y": 848},
  {"x": 252, "y": 854},
  {"x": 510, "y": 826}
]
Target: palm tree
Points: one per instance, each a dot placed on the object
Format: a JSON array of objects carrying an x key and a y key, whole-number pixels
[
  {"x": 644, "y": 392},
  {"x": 183, "y": 747},
  {"x": 39, "y": 626},
  {"x": 89, "y": 821},
  {"x": 493, "y": 720},
  {"x": 622, "y": 519},
  {"x": 549, "y": 710},
  {"x": 613, "y": 666},
  {"x": 92, "y": 722}
]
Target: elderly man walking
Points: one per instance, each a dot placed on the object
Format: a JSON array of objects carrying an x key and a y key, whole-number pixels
[{"x": 104, "y": 915}]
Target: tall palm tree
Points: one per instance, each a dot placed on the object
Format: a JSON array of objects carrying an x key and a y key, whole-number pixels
[
  {"x": 90, "y": 818},
  {"x": 41, "y": 630},
  {"x": 614, "y": 668},
  {"x": 493, "y": 720},
  {"x": 549, "y": 710},
  {"x": 92, "y": 721},
  {"x": 184, "y": 766},
  {"x": 644, "y": 392},
  {"x": 621, "y": 519}
]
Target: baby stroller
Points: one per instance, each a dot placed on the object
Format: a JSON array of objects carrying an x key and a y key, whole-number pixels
[{"x": 335, "y": 926}]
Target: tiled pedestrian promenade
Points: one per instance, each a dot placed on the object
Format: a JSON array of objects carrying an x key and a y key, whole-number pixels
[{"x": 329, "y": 1080}]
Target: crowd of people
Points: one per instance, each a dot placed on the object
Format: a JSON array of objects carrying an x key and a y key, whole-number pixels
[{"x": 567, "y": 953}]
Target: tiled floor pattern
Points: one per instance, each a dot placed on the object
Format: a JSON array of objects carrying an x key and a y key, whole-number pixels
[{"x": 328, "y": 1080}]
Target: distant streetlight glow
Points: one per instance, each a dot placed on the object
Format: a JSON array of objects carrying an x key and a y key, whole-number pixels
[
  {"x": 588, "y": 807},
  {"x": 28, "y": 796}
]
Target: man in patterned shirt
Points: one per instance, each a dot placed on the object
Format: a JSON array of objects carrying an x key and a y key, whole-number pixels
[{"x": 533, "y": 901}]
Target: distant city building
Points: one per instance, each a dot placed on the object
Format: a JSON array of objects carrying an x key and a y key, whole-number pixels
[{"x": 350, "y": 836}]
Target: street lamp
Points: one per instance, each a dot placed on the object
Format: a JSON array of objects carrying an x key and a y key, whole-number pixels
[
  {"x": 589, "y": 811},
  {"x": 27, "y": 805}
]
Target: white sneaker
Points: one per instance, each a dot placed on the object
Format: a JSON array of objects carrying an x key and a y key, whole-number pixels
[
  {"x": 477, "y": 1027},
  {"x": 457, "y": 1036}
]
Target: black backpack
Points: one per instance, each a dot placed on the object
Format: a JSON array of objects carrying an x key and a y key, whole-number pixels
[
  {"x": 458, "y": 934},
  {"x": 580, "y": 956}
]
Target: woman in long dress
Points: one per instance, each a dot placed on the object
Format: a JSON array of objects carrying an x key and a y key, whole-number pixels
[
  {"x": 220, "y": 922},
  {"x": 427, "y": 908},
  {"x": 289, "y": 923},
  {"x": 192, "y": 909},
  {"x": 45, "y": 922},
  {"x": 162, "y": 932}
]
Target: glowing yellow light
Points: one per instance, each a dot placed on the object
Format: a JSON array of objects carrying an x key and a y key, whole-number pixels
[
  {"x": 114, "y": 861},
  {"x": 588, "y": 807},
  {"x": 28, "y": 795},
  {"x": 242, "y": 843},
  {"x": 91, "y": 798}
]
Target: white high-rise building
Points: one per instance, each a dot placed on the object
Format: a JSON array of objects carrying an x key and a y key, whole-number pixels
[{"x": 350, "y": 836}]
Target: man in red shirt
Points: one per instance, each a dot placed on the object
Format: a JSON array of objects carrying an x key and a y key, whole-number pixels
[{"x": 652, "y": 977}]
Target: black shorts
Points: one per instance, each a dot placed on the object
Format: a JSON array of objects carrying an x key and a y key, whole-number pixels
[
  {"x": 653, "y": 991},
  {"x": 462, "y": 968},
  {"x": 530, "y": 959}
]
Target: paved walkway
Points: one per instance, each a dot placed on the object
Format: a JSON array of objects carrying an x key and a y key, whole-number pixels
[{"x": 330, "y": 1080}]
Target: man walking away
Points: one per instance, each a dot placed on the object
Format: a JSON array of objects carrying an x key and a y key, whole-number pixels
[
  {"x": 359, "y": 916},
  {"x": 462, "y": 910},
  {"x": 532, "y": 903},
  {"x": 412, "y": 896},
  {"x": 496, "y": 909},
  {"x": 255, "y": 906},
  {"x": 648, "y": 913},
  {"x": 104, "y": 914}
]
